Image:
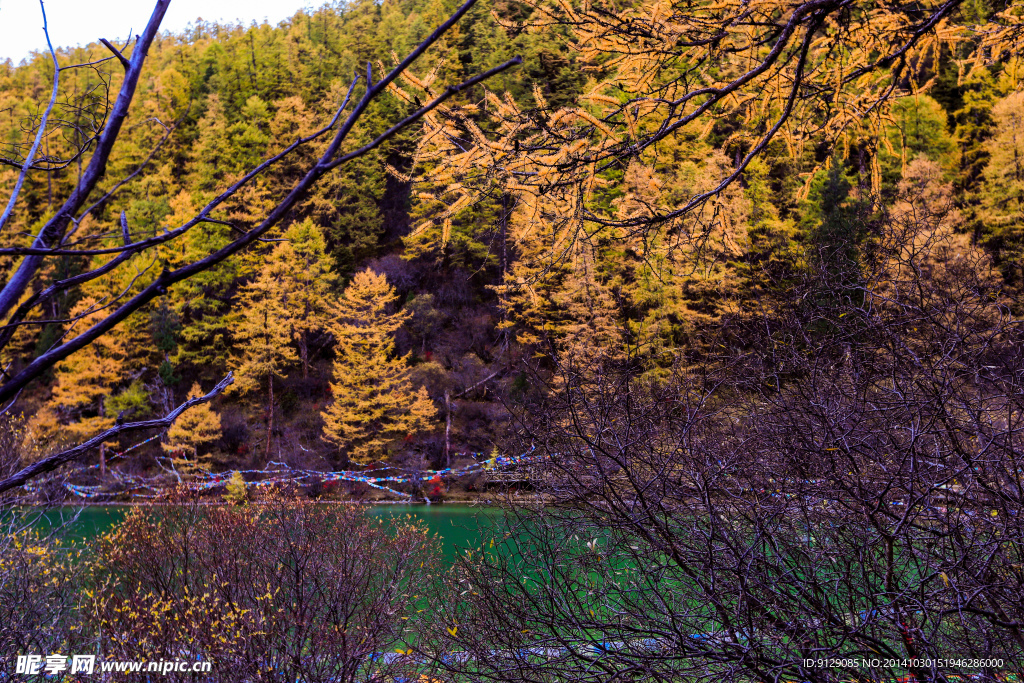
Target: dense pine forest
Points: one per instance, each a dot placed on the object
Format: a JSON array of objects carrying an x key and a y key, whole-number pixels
[{"x": 400, "y": 310}]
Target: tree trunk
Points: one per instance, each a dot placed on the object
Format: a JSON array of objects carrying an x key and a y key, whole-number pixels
[
  {"x": 270, "y": 415},
  {"x": 304, "y": 355},
  {"x": 103, "y": 459},
  {"x": 447, "y": 428},
  {"x": 504, "y": 266}
]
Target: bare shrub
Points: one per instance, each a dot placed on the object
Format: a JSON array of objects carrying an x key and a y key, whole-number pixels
[{"x": 847, "y": 487}]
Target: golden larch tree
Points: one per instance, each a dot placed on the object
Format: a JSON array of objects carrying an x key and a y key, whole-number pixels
[
  {"x": 680, "y": 279},
  {"x": 558, "y": 293},
  {"x": 374, "y": 401},
  {"x": 769, "y": 79},
  {"x": 262, "y": 335},
  {"x": 194, "y": 430},
  {"x": 308, "y": 277},
  {"x": 83, "y": 381},
  {"x": 1002, "y": 210}
]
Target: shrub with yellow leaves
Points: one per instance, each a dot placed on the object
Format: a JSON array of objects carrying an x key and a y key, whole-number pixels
[
  {"x": 39, "y": 578},
  {"x": 276, "y": 590}
]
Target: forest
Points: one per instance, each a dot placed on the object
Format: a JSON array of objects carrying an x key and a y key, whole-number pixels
[
  {"x": 746, "y": 277},
  {"x": 394, "y": 314}
]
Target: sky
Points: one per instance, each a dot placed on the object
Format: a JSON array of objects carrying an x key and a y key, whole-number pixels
[{"x": 79, "y": 22}]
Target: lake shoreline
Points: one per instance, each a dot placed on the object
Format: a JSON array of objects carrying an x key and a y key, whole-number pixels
[
  {"x": 493, "y": 503},
  {"x": 114, "y": 503},
  {"x": 452, "y": 528}
]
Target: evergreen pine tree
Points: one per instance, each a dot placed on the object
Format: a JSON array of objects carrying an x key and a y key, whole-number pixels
[
  {"x": 212, "y": 151},
  {"x": 201, "y": 304},
  {"x": 250, "y": 136},
  {"x": 974, "y": 125},
  {"x": 347, "y": 203}
]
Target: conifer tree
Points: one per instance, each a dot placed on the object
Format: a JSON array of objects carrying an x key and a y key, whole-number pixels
[
  {"x": 236, "y": 491},
  {"x": 348, "y": 204},
  {"x": 262, "y": 335},
  {"x": 374, "y": 402},
  {"x": 558, "y": 293},
  {"x": 133, "y": 401},
  {"x": 308, "y": 277},
  {"x": 919, "y": 127},
  {"x": 212, "y": 151},
  {"x": 1002, "y": 210},
  {"x": 201, "y": 304},
  {"x": 775, "y": 256},
  {"x": 250, "y": 135},
  {"x": 834, "y": 223},
  {"x": 291, "y": 120},
  {"x": 87, "y": 378},
  {"x": 679, "y": 280},
  {"x": 974, "y": 124},
  {"x": 194, "y": 430}
]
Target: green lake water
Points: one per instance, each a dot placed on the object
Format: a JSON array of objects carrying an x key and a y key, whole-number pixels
[{"x": 454, "y": 527}]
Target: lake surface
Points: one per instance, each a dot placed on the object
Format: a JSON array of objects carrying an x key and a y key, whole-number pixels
[{"x": 455, "y": 527}]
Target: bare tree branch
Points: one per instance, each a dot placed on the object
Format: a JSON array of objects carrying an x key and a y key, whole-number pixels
[
  {"x": 55, "y": 228},
  {"x": 40, "y": 133},
  {"x": 117, "y": 53},
  {"x": 52, "y": 462}
]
